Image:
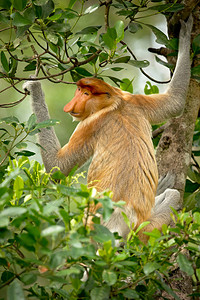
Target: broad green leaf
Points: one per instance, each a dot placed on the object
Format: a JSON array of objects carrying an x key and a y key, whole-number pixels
[
  {"x": 31, "y": 122},
  {"x": 164, "y": 63},
  {"x": 196, "y": 217},
  {"x": 19, "y": 20},
  {"x": 13, "y": 211},
  {"x": 15, "y": 291},
  {"x": 171, "y": 7},
  {"x": 119, "y": 27},
  {"x": 9, "y": 120},
  {"x": 141, "y": 226},
  {"x": 6, "y": 4},
  {"x": 19, "y": 4},
  {"x": 31, "y": 66},
  {"x": 102, "y": 234},
  {"x": 126, "y": 85},
  {"x": 4, "y": 221},
  {"x": 150, "y": 267},
  {"x": 47, "y": 123},
  {"x": 53, "y": 38},
  {"x": 139, "y": 63},
  {"x": 184, "y": 264},
  {"x": 196, "y": 44},
  {"x": 100, "y": 293},
  {"x": 25, "y": 153},
  {"x": 52, "y": 230},
  {"x": 91, "y": 9},
  {"x": 161, "y": 38},
  {"x": 123, "y": 59},
  {"x": 195, "y": 71},
  {"x": 28, "y": 278},
  {"x": 90, "y": 29},
  {"x": 71, "y": 3},
  {"x": 6, "y": 275},
  {"x": 134, "y": 27},
  {"x": 18, "y": 187},
  {"x": 150, "y": 89},
  {"x": 83, "y": 72},
  {"x": 109, "y": 277},
  {"x": 130, "y": 294},
  {"x": 4, "y": 62}
]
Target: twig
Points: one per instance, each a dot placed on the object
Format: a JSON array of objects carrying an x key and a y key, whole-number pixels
[
  {"x": 158, "y": 131},
  {"x": 143, "y": 72},
  {"x": 11, "y": 104}
]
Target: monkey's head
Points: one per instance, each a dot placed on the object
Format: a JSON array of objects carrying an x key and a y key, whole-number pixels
[{"x": 91, "y": 95}]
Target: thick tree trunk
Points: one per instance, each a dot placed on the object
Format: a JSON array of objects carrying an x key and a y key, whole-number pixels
[{"x": 174, "y": 149}]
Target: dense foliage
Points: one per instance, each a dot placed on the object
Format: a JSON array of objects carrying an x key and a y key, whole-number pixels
[{"x": 46, "y": 251}]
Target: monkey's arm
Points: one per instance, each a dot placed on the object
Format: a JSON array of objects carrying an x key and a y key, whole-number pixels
[
  {"x": 171, "y": 104},
  {"x": 76, "y": 152}
]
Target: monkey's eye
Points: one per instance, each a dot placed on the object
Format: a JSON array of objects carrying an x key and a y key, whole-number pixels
[{"x": 86, "y": 93}]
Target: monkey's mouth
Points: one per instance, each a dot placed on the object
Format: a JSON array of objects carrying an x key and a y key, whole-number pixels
[{"x": 74, "y": 114}]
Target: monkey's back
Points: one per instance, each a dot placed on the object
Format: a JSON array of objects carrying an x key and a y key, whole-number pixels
[{"x": 124, "y": 160}]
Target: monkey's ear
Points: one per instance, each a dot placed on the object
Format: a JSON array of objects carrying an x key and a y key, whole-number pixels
[{"x": 96, "y": 86}]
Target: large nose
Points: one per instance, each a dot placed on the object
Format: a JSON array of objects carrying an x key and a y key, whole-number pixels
[{"x": 70, "y": 106}]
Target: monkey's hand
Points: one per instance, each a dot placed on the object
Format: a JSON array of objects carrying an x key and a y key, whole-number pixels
[
  {"x": 185, "y": 32},
  {"x": 34, "y": 88}
]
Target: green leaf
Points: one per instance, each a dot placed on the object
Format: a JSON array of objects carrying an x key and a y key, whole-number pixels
[
  {"x": 52, "y": 230},
  {"x": 6, "y": 275},
  {"x": 10, "y": 120},
  {"x": 13, "y": 211},
  {"x": 6, "y": 4},
  {"x": 134, "y": 27},
  {"x": 171, "y": 7},
  {"x": 119, "y": 27},
  {"x": 161, "y": 38},
  {"x": 130, "y": 294},
  {"x": 4, "y": 62},
  {"x": 31, "y": 123},
  {"x": 196, "y": 217},
  {"x": 109, "y": 277},
  {"x": 184, "y": 264},
  {"x": 109, "y": 39},
  {"x": 164, "y": 63},
  {"x": 4, "y": 221},
  {"x": 91, "y": 9},
  {"x": 18, "y": 187},
  {"x": 123, "y": 59},
  {"x": 126, "y": 85},
  {"x": 71, "y": 3},
  {"x": 150, "y": 89},
  {"x": 25, "y": 153},
  {"x": 15, "y": 291},
  {"x": 196, "y": 44},
  {"x": 100, "y": 293},
  {"x": 141, "y": 226},
  {"x": 47, "y": 123},
  {"x": 195, "y": 71},
  {"x": 139, "y": 63},
  {"x": 28, "y": 278},
  {"x": 102, "y": 234},
  {"x": 31, "y": 66},
  {"x": 19, "y": 20},
  {"x": 83, "y": 72},
  {"x": 19, "y": 4},
  {"x": 88, "y": 30},
  {"x": 150, "y": 267}
]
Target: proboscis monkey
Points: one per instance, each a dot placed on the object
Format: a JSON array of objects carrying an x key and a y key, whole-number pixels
[{"x": 115, "y": 130}]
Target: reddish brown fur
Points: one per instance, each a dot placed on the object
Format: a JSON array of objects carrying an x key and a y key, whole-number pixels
[{"x": 120, "y": 138}]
